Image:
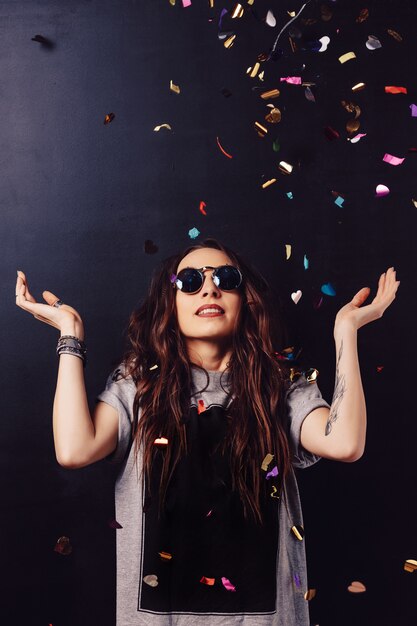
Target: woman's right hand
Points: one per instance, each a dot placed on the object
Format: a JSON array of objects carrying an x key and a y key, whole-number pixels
[{"x": 61, "y": 317}]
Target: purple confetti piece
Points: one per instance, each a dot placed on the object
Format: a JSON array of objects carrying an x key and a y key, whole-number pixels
[
  {"x": 297, "y": 580},
  {"x": 413, "y": 108},
  {"x": 273, "y": 472}
]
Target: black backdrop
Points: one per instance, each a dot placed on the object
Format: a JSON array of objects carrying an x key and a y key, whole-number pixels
[{"x": 79, "y": 199}]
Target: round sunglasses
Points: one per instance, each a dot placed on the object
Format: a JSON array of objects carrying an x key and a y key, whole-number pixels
[{"x": 191, "y": 279}]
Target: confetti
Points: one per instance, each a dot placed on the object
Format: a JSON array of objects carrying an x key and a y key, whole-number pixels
[
  {"x": 373, "y": 43},
  {"x": 173, "y": 87},
  {"x": 363, "y": 15},
  {"x": 297, "y": 580},
  {"x": 331, "y": 133},
  {"x": 358, "y": 86},
  {"x": 261, "y": 130},
  {"x": 186, "y": 3},
  {"x": 272, "y": 473},
  {"x": 410, "y": 565},
  {"x": 289, "y": 195},
  {"x": 339, "y": 201},
  {"x": 306, "y": 263},
  {"x": 394, "y": 89},
  {"x": 356, "y": 138},
  {"x": 270, "y": 19},
  {"x": 393, "y": 160},
  {"x": 292, "y": 80},
  {"x": 413, "y": 108},
  {"x": 394, "y": 34},
  {"x": 328, "y": 289},
  {"x": 287, "y": 251},
  {"x": 154, "y": 367},
  {"x": 201, "y": 406},
  {"x": 109, "y": 118},
  {"x": 151, "y": 580},
  {"x": 324, "y": 41},
  {"x": 295, "y": 296},
  {"x": 224, "y": 151},
  {"x": 202, "y": 207},
  {"x": 161, "y": 442},
  {"x": 227, "y": 584},
  {"x": 207, "y": 581},
  {"x": 347, "y": 57},
  {"x": 268, "y": 458},
  {"x": 237, "y": 11},
  {"x": 309, "y": 594},
  {"x": 165, "y": 556},
  {"x": 252, "y": 71},
  {"x": 285, "y": 168},
  {"x": 230, "y": 41},
  {"x": 309, "y": 95},
  {"x": 63, "y": 546},
  {"x": 298, "y": 531},
  {"x": 311, "y": 375},
  {"x": 269, "y": 182},
  {"x": 274, "y": 492},
  {"x": 356, "y": 587},
  {"x": 193, "y": 233},
  {"x": 158, "y": 128},
  {"x": 274, "y": 116},
  {"x": 275, "y": 145},
  {"x": 272, "y": 93},
  {"x": 414, "y": 202},
  {"x": 381, "y": 190}
]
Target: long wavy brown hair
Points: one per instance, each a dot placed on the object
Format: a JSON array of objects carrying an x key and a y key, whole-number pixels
[{"x": 256, "y": 414}]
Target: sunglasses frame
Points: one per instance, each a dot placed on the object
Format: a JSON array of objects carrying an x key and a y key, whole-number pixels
[{"x": 201, "y": 270}]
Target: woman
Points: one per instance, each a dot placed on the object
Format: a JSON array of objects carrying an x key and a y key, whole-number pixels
[{"x": 207, "y": 425}]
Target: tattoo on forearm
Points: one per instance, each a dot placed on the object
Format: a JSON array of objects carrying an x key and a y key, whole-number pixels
[{"x": 339, "y": 391}]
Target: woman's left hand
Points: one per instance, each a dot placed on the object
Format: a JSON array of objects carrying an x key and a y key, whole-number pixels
[{"x": 357, "y": 315}]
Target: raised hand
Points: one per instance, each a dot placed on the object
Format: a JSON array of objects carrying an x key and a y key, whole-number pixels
[{"x": 357, "y": 315}]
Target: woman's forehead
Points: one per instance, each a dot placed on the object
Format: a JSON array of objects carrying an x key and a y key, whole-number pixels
[{"x": 204, "y": 256}]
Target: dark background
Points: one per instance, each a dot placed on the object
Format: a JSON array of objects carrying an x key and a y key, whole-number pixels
[{"x": 79, "y": 199}]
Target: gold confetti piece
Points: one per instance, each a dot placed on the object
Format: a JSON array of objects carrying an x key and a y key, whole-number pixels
[
  {"x": 207, "y": 581},
  {"x": 237, "y": 11},
  {"x": 394, "y": 34},
  {"x": 251, "y": 1},
  {"x": 157, "y": 128},
  {"x": 414, "y": 202},
  {"x": 154, "y": 367},
  {"x": 267, "y": 461},
  {"x": 261, "y": 75},
  {"x": 310, "y": 594},
  {"x": 410, "y": 565},
  {"x": 274, "y": 492},
  {"x": 358, "y": 86},
  {"x": 285, "y": 168},
  {"x": 262, "y": 131},
  {"x": 211, "y": 3},
  {"x": 312, "y": 375},
  {"x": 352, "y": 126},
  {"x": 363, "y": 15},
  {"x": 172, "y": 3},
  {"x": 350, "y": 107},
  {"x": 269, "y": 182},
  {"x": 161, "y": 442},
  {"x": 287, "y": 251},
  {"x": 274, "y": 116},
  {"x": 151, "y": 580},
  {"x": 347, "y": 57},
  {"x": 356, "y": 587},
  {"x": 298, "y": 532},
  {"x": 272, "y": 93},
  {"x": 228, "y": 43},
  {"x": 253, "y": 71},
  {"x": 165, "y": 556},
  {"x": 291, "y": 13},
  {"x": 173, "y": 87},
  {"x": 109, "y": 118},
  {"x": 63, "y": 546}
]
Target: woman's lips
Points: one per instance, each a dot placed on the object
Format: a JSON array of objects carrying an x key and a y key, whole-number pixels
[{"x": 210, "y": 314}]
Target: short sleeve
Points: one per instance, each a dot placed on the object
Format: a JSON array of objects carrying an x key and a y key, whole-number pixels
[
  {"x": 302, "y": 397},
  {"x": 120, "y": 392}
]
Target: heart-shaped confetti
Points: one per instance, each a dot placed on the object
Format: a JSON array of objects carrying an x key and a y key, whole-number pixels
[
  {"x": 295, "y": 296},
  {"x": 373, "y": 43},
  {"x": 381, "y": 190},
  {"x": 151, "y": 580},
  {"x": 356, "y": 587},
  {"x": 328, "y": 290}
]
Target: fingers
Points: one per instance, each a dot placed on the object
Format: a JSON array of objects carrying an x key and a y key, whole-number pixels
[{"x": 21, "y": 280}]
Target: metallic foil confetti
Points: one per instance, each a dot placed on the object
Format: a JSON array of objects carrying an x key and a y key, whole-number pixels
[
  {"x": 274, "y": 492},
  {"x": 272, "y": 93},
  {"x": 237, "y": 11},
  {"x": 274, "y": 116},
  {"x": 161, "y": 442},
  {"x": 274, "y": 472},
  {"x": 394, "y": 89},
  {"x": 193, "y": 233},
  {"x": 202, "y": 207},
  {"x": 381, "y": 190},
  {"x": 296, "y": 296},
  {"x": 347, "y": 57},
  {"x": 151, "y": 580},
  {"x": 201, "y": 406},
  {"x": 356, "y": 138},
  {"x": 356, "y": 587},
  {"x": 392, "y": 160},
  {"x": 324, "y": 42},
  {"x": 310, "y": 594},
  {"x": 284, "y": 167},
  {"x": 294, "y": 16},
  {"x": 291, "y": 80},
  {"x": 261, "y": 130},
  {"x": 358, "y": 86},
  {"x": 222, "y": 149},
  {"x": 298, "y": 532},
  {"x": 114, "y": 524},
  {"x": 311, "y": 375},
  {"x": 154, "y": 367},
  {"x": 63, "y": 546},
  {"x": 228, "y": 43},
  {"x": 227, "y": 584},
  {"x": 173, "y": 87},
  {"x": 270, "y": 19},
  {"x": 410, "y": 565},
  {"x": 186, "y": 3},
  {"x": 373, "y": 43},
  {"x": 394, "y": 34},
  {"x": 109, "y": 118},
  {"x": 165, "y": 556},
  {"x": 350, "y": 107},
  {"x": 269, "y": 457},
  {"x": 269, "y": 182},
  {"x": 150, "y": 247},
  {"x": 207, "y": 581},
  {"x": 328, "y": 289},
  {"x": 306, "y": 263},
  {"x": 158, "y": 128},
  {"x": 414, "y": 202},
  {"x": 363, "y": 15}
]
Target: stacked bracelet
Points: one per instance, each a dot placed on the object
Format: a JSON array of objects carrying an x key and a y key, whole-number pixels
[{"x": 68, "y": 344}]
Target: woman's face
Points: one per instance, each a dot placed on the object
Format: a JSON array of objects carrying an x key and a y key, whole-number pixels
[{"x": 194, "y": 326}]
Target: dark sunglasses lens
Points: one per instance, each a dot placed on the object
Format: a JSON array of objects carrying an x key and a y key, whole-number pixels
[
  {"x": 227, "y": 277},
  {"x": 188, "y": 280}
]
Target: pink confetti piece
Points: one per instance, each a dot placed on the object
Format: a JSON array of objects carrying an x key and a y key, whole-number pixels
[
  {"x": 413, "y": 108},
  {"x": 293, "y": 80},
  {"x": 273, "y": 472},
  {"x": 186, "y": 3},
  {"x": 381, "y": 190},
  {"x": 356, "y": 138},
  {"x": 393, "y": 160},
  {"x": 227, "y": 584}
]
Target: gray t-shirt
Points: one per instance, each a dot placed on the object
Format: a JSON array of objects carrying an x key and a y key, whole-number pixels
[{"x": 132, "y": 594}]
